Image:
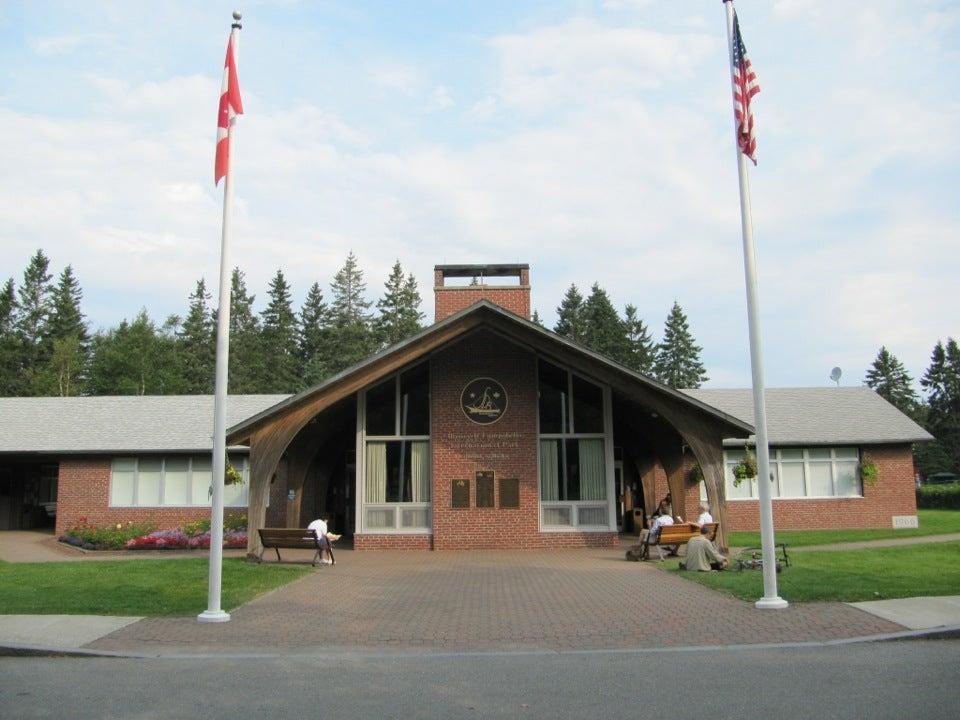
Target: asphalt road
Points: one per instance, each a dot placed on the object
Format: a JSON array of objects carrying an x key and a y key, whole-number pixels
[{"x": 916, "y": 679}]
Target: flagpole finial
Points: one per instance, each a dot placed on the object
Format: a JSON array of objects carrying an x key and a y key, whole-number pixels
[{"x": 236, "y": 19}]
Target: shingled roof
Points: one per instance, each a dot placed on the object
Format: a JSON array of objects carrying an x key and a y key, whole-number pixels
[
  {"x": 820, "y": 416},
  {"x": 134, "y": 423}
]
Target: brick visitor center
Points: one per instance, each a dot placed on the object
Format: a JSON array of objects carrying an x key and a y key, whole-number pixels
[{"x": 484, "y": 430}]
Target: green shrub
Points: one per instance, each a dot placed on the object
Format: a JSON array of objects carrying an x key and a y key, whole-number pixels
[
  {"x": 110, "y": 537},
  {"x": 230, "y": 523},
  {"x": 198, "y": 527},
  {"x": 946, "y": 497},
  {"x": 234, "y": 522}
]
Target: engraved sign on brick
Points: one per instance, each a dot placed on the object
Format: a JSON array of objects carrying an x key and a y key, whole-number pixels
[
  {"x": 485, "y": 488},
  {"x": 509, "y": 493},
  {"x": 483, "y": 401},
  {"x": 461, "y": 493}
]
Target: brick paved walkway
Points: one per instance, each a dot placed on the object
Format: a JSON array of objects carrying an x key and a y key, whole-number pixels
[{"x": 482, "y": 600}]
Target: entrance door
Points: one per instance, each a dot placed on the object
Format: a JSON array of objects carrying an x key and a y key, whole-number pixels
[
  {"x": 618, "y": 492},
  {"x": 6, "y": 500}
]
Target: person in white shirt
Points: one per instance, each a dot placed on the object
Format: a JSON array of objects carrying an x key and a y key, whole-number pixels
[
  {"x": 655, "y": 524},
  {"x": 320, "y": 527},
  {"x": 705, "y": 517}
]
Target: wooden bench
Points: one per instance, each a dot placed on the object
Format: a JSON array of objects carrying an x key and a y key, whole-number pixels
[
  {"x": 678, "y": 534},
  {"x": 293, "y": 539}
]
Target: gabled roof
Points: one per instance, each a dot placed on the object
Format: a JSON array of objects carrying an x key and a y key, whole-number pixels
[
  {"x": 481, "y": 314},
  {"x": 117, "y": 424},
  {"x": 820, "y": 415}
]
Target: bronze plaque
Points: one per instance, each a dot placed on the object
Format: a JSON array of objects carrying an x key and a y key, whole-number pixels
[
  {"x": 509, "y": 493},
  {"x": 485, "y": 488},
  {"x": 461, "y": 493}
]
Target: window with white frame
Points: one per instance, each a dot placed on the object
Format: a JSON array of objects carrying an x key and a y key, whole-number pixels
[
  {"x": 800, "y": 473},
  {"x": 172, "y": 481},
  {"x": 573, "y": 434},
  {"x": 397, "y": 481}
]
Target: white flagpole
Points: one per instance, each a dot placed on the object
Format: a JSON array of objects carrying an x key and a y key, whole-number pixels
[
  {"x": 214, "y": 612},
  {"x": 770, "y": 599}
]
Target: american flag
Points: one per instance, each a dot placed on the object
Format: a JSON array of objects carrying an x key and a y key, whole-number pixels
[
  {"x": 230, "y": 106},
  {"x": 745, "y": 86}
]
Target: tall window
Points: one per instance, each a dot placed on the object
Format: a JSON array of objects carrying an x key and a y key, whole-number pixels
[
  {"x": 173, "y": 481},
  {"x": 801, "y": 472},
  {"x": 397, "y": 479},
  {"x": 573, "y": 444}
]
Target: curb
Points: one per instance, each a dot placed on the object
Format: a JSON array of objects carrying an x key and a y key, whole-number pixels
[{"x": 943, "y": 632}]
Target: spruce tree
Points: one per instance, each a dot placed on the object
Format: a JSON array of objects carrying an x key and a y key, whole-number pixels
[
  {"x": 892, "y": 382},
  {"x": 400, "y": 315},
  {"x": 34, "y": 306},
  {"x": 135, "y": 359},
  {"x": 536, "y": 319},
  {"x": 941, "y": 381},
  {"x": 245, "y": 357},
  {"x": 66, "y": 341},
  {"x": 9, "y": 343},
  {"x": 570, "y": 321},
  {"x": 351, "y": 333},
  {"x": 641, "y": 348},
  {"x": 281, "y": 367},
  {"x": 604, "y": 331},
  {"x": 196, "y": 344},
  {"x": 314, "y": 346},
  {"x": 66, "y": 319},
  {"x": 678, "y": 357}
]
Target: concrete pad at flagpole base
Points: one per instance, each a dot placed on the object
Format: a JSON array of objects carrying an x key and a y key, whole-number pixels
[
  {"x": 213, "y": 616},
  {"x": 917, "y": 613},
  {"x": 59, "y": 631}
]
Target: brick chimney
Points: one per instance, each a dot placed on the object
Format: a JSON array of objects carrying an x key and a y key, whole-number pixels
[{"x": 449, "y": 299}]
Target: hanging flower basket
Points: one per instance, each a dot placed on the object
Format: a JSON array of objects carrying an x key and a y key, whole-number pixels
[
  {"x": 232, "y": 476},
  {"x": 869, "y": 471},
  {"x": 746, "y": 469},
  {"x": 696, "y": 475}
]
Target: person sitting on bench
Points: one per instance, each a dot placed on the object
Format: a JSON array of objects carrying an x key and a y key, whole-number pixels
[
  {"x": 702, "y": 555},
  {"x": 319, "y": 526}
]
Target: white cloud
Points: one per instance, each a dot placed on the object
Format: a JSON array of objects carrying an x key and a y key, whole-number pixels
[
  {"x": 396, "y": 77},
  {"x": 66, "y": 44},
  {"x": 583, "y": 59}
]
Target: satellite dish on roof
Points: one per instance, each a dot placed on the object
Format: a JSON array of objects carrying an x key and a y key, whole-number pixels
[{"x": 835, "y": 375}]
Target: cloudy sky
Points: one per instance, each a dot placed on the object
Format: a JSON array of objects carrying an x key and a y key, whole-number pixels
[{"x": 590, "y": 139}]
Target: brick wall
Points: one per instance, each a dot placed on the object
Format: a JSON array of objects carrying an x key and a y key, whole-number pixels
[
  {"x": 83, "y": 491},
  {"x": 893, "y": 494},
  {"x": 507, "y": 447},
  {"x": 449, "y": 300},
  {"x": 394, "y": 541}
]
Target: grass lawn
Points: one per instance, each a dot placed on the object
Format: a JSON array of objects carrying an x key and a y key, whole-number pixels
[
  {"x": 932, "y": 522},
  {"x": 849, "y": 576},
  {"x": 132, "y": 587}
]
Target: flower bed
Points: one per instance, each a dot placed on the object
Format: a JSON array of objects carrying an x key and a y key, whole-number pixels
[
  {"x": 178, "y": 539},
  {"x": 111, "y": 537},
  {"x": 132, "y": 536}
]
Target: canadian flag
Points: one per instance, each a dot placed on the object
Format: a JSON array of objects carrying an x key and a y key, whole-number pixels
[{"x": 230, "y": 106}]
